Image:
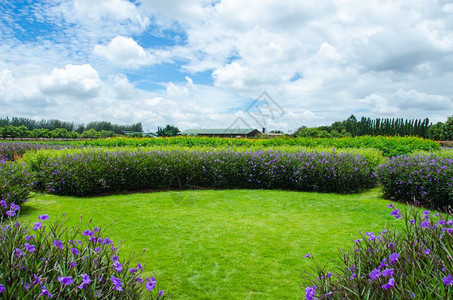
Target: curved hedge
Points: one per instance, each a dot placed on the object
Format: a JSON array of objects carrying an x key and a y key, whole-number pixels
[
  {"x": 425, "y": 179},
  {"x": 93, "y": 171}
]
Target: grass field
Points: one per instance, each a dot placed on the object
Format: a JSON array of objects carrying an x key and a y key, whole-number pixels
[{"x": 229, "y": 244}]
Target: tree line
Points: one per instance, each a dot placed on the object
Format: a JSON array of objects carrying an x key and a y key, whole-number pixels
[
  {"x": 381, "y": 126},
  {"x": 53, "y": 124}
]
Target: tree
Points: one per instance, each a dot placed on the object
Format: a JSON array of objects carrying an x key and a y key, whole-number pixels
[
  {"x": 168, "y": 130},
  {"x": 447, "y": 129}
]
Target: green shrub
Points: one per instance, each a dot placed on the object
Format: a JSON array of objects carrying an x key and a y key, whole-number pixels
[
  {"x": 16, "y": 183},
  {"x": 94, "y": 171},
  {"x": 66, "y": 263},
  {"x": 424, "y": 179},
  {"x": 414, "y": 262}
]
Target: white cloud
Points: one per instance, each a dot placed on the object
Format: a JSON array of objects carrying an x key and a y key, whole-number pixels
[
  {"x": 125, "y": 52},
  {"x": 81, "y": 82}
]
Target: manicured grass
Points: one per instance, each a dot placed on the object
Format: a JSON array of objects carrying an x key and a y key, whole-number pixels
[{"x": 229, "y": 244}]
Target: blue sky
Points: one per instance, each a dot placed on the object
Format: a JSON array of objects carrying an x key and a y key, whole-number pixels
[{"x": 201, "y": 64}]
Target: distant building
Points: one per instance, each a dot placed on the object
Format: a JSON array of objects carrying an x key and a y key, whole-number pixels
[
  {"x": 137, "y": 133},
  {"x": 229, "y": 132}
]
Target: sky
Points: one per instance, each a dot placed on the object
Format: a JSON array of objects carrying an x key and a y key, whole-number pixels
[{"x": 226, "y": 63}]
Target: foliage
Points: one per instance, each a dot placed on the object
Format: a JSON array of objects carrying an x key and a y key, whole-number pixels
[
  {"x": 425, "y": 179},
  {"x": 167, "y": 131},
  {"x": 414, "y": 262},
  {"x": 16, "y": 183},
  {"x": 92, "y": 171},
  {"x": 12, "y": 149},
  {"x": 390, "y": 146},
  {"x": 77, "y": 263}
]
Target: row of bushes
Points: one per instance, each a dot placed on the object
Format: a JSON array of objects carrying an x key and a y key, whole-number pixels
[
  {"x": 390, "y": 146},
  {"x": 12, "y": 150},
  {"x": 413, "y": 262},
  {"x": 425, "y": 179},
  {"x": 83, "y": 172}
]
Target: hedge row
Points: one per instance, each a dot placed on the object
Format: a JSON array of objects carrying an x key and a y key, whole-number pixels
[
  {"x": 424, "y": 179},
  {"x": 390, "y": 146},
  {"x": 93, "y": 171}
]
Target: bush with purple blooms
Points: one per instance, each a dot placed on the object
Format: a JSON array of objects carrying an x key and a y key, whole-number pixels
[
  {"x": 16, "y": 183},
  {"x": 424, "y": 179},
  {"x": 414, "y": 262},
  {"x": 48, "y": 260},
  {"x": 10, "y": 149},
  {"x": 84, "y": 172}
]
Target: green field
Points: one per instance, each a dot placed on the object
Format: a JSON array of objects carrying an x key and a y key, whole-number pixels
[{"x": 226, "y": 244}]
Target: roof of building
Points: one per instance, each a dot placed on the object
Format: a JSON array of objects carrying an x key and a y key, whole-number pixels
[{"x": 232, "y": 131}]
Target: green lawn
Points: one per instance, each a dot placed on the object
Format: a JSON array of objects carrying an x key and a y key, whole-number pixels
[{"x": 231, "y": 244}]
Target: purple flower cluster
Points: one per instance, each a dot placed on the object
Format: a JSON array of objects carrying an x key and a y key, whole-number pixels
[
  {"x": 418, "y": 254},
  {"x": 92, "y": 171},
  {"x": 91, "y": 259},
  {"x": 426, "y": 179}
]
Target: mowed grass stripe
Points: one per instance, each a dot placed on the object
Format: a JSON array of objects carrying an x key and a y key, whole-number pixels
[{"x": 229, "y": 244}]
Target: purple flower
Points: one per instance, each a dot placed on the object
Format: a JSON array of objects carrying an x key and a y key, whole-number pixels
[
  {"x": 18, "y": 252},
  {"x": 352, "y": 276},
  {"x": 310, "y": 293},
  {"x": 161, "y": 293},
  {"x": 37, "y": 280},
  {"x": 73, "y": 264},
  {"x": 85, "y": 281},
  {"x": 307, "y": 255},
  {"x": 3, "y": 203},
  {"x": 11, "y": 213},
  {"x": 115, "y": 258},
  {"x": 396, "y": 213},
  {"x": 139, "y": 266},
  {"x": 116, "y": 283},
  {"x": 328, "y": 275},
  {"x": 448, "y": 280},
  {"x": 393, "y": 257},
  {"x": 45, "y": 292},
  {"x": 43, "y": 217},
  {"x": 425, "y": 224},
  {"x": 106, "y": 241},
  {"x": 96, "y": 229},
  {"x": 29, "y": 237},
  {"x": 75, "y": 251},
  {"x": 14, "y": 206},
  {"x": 88, "y": 233},
  {"x": 387, "y": 272},
  {"x": 390, "y": 284},
  {"x": 139, "y": 279},
  {"x": 65, "y": 280},
  {"x": 58, "y": 244},
  {"x": 38, "y": 225},
  {"x": 390, "y": 205},
  {"x": 2, "y": 288},
  {"x": 118, "y": 267},
  {"x": 29, "y": 248},
  {"x": 374, "y": 274},
  {"x": 427, "y": 251}
]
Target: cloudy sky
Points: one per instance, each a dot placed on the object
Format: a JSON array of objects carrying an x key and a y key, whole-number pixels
[{"x": 202, "y": 64}]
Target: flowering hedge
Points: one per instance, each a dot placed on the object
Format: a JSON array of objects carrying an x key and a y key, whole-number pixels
[
  {"x": 52, "y": 261},
  {"x": 9, "y": 150},
  {"x": 426, "y": 179},
  {"x": 92, "y": 171},
  {"x": 16, "y": 183},
  {"x": 414, "y": 262}
]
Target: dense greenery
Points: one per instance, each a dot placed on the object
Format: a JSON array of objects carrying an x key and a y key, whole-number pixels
[
  {"x": 424, "y": 178},
  {"x": 381, "y": 127},
  {"x": 167, "y": 131},
  {"x": 390, "y": 146},
  {"x": 16, "y": 183},
  {"x": 92, "y": 171},
  {"x": 415, "y": 261}
]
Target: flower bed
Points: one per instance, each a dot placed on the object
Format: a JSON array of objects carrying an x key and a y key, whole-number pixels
[
  {"x": 424, "y": 179},
  {"x": 93, "y": 171},
  {"x": 414, "y": 262}
]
